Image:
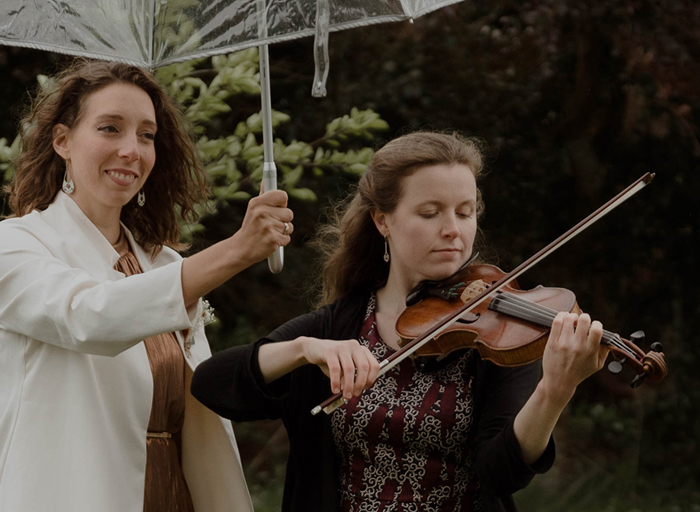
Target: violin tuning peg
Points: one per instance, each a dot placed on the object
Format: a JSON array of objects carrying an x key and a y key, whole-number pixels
[
  {"x": 637, "y": 337},
  {"x": 615, "y": 366},
  {"x": 638, "y": 380},
  {"x": 657, "y": 347}
]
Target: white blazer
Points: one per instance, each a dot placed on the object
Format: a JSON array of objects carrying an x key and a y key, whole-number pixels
[{"x": 75, "y": 382}]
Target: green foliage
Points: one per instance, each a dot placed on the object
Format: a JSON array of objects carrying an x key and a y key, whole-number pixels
[
  {"x": 598, "y": 464},
  {"x": 206, "y": 89},
  {"x": 7, "y": 154},
  {"x": 173, "y": 26},
  {"x": 266, "y": 442}
]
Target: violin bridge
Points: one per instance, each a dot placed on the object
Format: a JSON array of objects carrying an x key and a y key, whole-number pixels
[{"x": 472, "y": 290}]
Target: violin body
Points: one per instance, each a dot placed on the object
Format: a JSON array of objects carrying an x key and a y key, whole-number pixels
[
  {"x": 499, "y": 338},
  {"x": 510, "y": 328}
]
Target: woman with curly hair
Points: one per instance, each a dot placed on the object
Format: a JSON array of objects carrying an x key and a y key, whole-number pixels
[
  {"x": 458, "y": 435},
  {"x": 101, "y": 320}
]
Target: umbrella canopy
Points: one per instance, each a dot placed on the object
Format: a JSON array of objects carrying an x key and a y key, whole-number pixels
[{"x": 153, "y": 33}]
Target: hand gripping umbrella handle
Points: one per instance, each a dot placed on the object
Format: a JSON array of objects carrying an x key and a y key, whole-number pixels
[{"x": 275, "y": 260}]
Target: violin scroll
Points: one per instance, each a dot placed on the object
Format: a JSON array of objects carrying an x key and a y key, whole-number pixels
[
  {"x": 654, "y": 365},
  {"x": 651, "y": 365}
]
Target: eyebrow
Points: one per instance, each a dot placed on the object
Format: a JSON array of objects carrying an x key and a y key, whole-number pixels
[
  {"x": 469, "y": 202},
  {"x": 117, "y": 117}
]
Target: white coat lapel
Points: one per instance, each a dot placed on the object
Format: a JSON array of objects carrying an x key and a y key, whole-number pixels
[{"x": 85, "y": 247}]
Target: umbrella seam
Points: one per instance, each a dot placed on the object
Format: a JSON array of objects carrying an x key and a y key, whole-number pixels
[
  {"x": 283, "y": 38},
  {"x": 75, "y": 53}
]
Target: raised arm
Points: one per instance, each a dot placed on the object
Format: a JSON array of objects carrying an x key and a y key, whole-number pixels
[{"x": 573, "y": 353}]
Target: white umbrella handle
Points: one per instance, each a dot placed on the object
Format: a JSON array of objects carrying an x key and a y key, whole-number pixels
[{"x": 275, "y": 260}]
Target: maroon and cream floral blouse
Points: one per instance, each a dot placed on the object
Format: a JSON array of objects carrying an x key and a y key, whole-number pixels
[{"x": 406, "y": 444}]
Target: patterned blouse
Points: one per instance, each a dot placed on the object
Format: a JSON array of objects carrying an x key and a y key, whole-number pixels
[{"x": 406, "y": 444}]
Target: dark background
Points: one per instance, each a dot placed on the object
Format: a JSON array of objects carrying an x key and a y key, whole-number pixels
[{"x": 575, "y": 100}]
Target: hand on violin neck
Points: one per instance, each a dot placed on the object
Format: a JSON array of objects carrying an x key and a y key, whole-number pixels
[{"x": 572, "y": 354}]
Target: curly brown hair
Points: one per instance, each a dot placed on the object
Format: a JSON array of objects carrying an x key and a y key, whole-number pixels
[
  {"x": 351, "y": 247},
  {"x": 177, "y": 182}
]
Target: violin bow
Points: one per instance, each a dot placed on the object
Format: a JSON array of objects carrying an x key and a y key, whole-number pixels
[{"x": 337, "y": 400}]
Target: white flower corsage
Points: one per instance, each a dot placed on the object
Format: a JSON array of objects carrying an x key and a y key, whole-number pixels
[{"x": 205, "y": 315}]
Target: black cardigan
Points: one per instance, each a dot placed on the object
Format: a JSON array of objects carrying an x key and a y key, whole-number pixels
[{"x": 230, "y": 383}]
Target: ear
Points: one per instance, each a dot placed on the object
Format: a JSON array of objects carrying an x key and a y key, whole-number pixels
[
  {"x": 60, "y": 140},
  {"x": 379, "y": 219}
]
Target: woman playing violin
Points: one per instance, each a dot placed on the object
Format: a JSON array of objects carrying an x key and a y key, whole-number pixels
[{"x": 460, "y": 434}]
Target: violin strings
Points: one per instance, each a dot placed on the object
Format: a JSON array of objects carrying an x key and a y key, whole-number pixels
[
  {"x": 544, "y": 316},
  {"x": 524, "y": 309}
]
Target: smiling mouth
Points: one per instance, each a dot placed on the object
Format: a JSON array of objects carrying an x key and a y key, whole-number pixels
[{"x": 126, "y": 178}]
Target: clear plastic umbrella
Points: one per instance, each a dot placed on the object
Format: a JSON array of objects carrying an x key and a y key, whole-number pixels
[{"x": 153, "y": 33}]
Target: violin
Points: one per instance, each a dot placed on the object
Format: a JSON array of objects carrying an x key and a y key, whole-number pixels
[
  {"x": 442, "y": 321},
  {"x": 511, "y": 327}
]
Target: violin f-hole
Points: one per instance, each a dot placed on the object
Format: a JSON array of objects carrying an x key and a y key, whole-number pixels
[{"x": 468, "y": 318}]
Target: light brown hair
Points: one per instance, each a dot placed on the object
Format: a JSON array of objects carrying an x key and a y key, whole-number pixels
[
  {"x": 176, "y": 183},
  {"x": 351, "y": 247}
]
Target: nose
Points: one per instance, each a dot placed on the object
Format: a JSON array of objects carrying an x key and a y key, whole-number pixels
[
  {"x": 450, "y": 228},
  {"x": 129, "y": 148}
]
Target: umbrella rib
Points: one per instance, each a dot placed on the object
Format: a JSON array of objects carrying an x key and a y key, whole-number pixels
[{"x": 152, "y": 35}]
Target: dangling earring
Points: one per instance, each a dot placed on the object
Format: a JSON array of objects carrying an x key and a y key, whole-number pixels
[
  {"x": 68, "y": 185},
  {"x": 141, "y": 199},
  {"x": 386, "y": 251}
]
